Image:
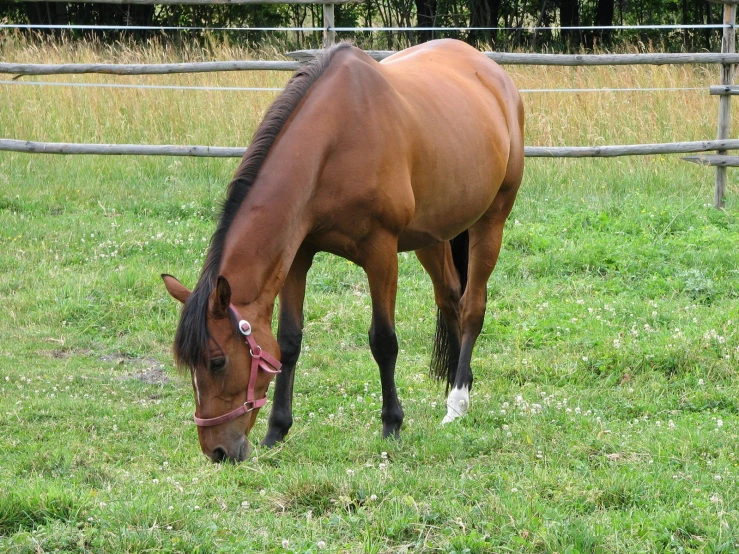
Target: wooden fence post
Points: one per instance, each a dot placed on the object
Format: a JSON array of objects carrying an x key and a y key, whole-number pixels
[
  {"x": 728, "y": 46},
  {"x": 329, "y": 35}
]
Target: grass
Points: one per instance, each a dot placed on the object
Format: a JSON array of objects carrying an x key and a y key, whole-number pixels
[{"x": 604, "y": 413}]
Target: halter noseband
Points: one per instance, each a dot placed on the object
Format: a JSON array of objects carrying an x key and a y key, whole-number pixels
[{"x": 259, "y": 360}]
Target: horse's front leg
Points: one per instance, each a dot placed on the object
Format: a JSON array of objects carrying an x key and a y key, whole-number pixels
[
  {"x": 381, "y": 267},
  {"x": 290, "y": 338}
]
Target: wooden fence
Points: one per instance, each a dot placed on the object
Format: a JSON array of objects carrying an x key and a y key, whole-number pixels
[
  {"x": 612, "y": 151},
  {"x": 727, "y": 59}
]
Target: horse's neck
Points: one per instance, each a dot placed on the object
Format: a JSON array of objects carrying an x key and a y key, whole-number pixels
[
  {"x": 262, "y": 242},
  {"x": 273, "y": 219}
]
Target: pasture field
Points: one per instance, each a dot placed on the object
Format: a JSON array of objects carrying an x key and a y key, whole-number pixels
[{"x": 604, "y": 414}]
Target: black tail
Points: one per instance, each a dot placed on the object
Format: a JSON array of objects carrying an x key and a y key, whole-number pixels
[{"x": 445, "y": 355}]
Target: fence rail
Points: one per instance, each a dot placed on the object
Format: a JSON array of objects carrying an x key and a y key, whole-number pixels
[
  {"x": 93, "y": 27},
  {"x": 21, "y": 69},
  {"x": 716, "y": 160},
  {"x": 573, "y": 60},
  {"x": 31, "y": 147},
  {"x": 503, "y": 58}
]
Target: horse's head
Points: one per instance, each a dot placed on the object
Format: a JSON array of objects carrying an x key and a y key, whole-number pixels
[{"x": 230, "y": 371}]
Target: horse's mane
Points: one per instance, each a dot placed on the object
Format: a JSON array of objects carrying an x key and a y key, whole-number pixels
[{"x": 191, "y": 339}]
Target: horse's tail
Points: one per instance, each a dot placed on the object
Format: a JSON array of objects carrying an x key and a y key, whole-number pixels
[{"x": 444, "y": 357}]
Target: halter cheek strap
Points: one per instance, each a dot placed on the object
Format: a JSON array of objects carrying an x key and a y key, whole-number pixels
[{"x": 260, "y": 360}]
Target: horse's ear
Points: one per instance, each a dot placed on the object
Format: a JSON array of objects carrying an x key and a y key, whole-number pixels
[
  {"x": 175, "y": 288},
  {"x": 221, "y": 298}
]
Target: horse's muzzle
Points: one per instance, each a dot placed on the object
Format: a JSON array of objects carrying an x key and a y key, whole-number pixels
[{"x": 236, "y": 452}]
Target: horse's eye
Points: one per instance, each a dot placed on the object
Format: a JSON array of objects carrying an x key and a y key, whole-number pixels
[{"x": 217, "y": 364}]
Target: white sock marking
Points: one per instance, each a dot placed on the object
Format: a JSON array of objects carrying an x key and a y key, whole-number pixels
[{"x": 457, "y": 404}]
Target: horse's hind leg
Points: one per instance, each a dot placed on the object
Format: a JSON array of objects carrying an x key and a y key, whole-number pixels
[
  {"x": 289, "y": 337},
  {"x": 486, "y": 236},
  {"x": 381, "y": 265}
]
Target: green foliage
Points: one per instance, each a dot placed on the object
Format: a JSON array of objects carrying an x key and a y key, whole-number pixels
[{"x": 501, "y": 14}]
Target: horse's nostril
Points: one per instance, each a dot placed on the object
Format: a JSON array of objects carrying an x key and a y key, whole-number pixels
[{"x": 219, "y": 454}]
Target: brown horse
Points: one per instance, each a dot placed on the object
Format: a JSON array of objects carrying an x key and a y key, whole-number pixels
[{"x": 422, "y": 152}]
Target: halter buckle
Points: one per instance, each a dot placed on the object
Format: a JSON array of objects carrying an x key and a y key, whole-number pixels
[{"x": 241, "y": 327}]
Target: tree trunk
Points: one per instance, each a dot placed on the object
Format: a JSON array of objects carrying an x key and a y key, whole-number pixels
[
  {"x": 569, "y": 16},
  {"x": 483, "y": 13},
  {"x": 604, "y": 13},
  {"x": 426, "y": 14}
]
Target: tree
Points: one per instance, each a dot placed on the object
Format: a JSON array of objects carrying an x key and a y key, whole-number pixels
[
  {"x": 569, "y": 16},
  {"x": 426, "y": 17},
  {"x": 484, "y": 13},
  {"x": 604, "y": 13}
]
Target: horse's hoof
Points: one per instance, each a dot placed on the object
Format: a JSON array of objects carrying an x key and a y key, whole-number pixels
[
  {"x": 272, "y": 439},
  {"x": 391, "y": 433},
  {"x": 457, "y": 404}
]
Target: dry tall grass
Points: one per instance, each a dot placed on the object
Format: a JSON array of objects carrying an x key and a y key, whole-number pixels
[{"x": 228, "y": 118}]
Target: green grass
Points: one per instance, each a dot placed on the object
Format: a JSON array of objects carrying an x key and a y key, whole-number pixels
[
  {"x": 605, "y": 408},
  {"x": 603, "y": 416}
]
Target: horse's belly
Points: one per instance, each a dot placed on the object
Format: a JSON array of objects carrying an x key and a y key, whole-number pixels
[
  {"x": 444, "y": 221},
  {"x": 414, "y": 239},
  {"x": 449, "y": 202}
]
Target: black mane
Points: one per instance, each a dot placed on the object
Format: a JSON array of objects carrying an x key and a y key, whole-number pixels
[{"x": 191, "y": 340}]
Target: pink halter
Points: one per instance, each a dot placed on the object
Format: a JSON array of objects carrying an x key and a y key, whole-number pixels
[{"x": 259, "y": 360}]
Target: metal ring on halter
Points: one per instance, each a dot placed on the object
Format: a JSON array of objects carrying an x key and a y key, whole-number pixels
[
  {"x": 241, "y": 327},
  {"x": 258, "y": 354}
]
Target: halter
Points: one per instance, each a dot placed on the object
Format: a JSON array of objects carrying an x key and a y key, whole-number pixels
[{"x": 259, "y": 360}]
